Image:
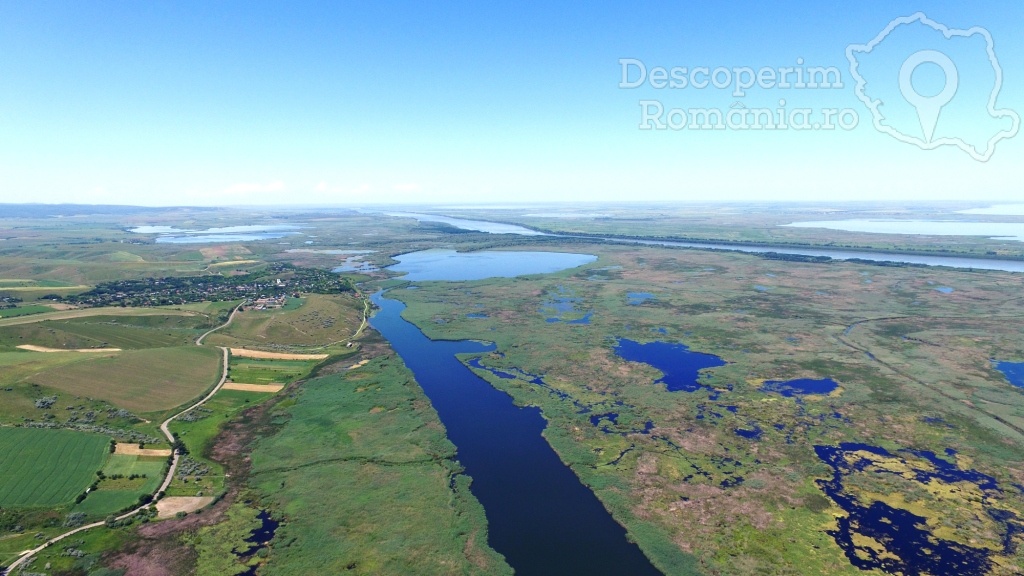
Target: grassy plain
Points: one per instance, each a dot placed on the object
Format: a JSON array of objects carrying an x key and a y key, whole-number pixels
[
  {"x": 362, "y": 472},
  {"x": 912, "y": 363},
  {"x": 23, "y": 402},
  {"x": 89, "y": 312},
  {"x": 82, "y": 554},
  {"x": 314, "y": 322}
]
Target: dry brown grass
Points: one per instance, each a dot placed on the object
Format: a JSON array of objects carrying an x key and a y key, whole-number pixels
[
  {"x": 134, "y": 450},
  {"x": 168, "y": 507},
  {"x": 269, "y": 388},
  {"x": 32, "y": 348}
]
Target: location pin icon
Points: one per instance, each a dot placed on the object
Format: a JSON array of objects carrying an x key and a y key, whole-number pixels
[{"x": 929, "y": 107}]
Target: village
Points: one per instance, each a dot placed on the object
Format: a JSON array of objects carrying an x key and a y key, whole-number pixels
[{"x": 262, "y": 290}]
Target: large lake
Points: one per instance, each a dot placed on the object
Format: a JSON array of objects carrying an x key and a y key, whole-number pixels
[
  {"x": 997, "y": 210},
  {"x": 540, "y": 517},
  {"x": 455, "y": 266},
  {"x": 172, "y": 235},
  {"x": 477, "y": 225},
  {"x": 999, "y": 230}
]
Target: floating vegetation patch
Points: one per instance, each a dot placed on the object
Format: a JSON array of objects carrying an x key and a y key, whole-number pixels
[
  {"x": 608, "y": 423},
  {"x": 562, "y": 305},
  {"x": 517, "y": 374},
  {"x": 638, "y": 298},
  {"x": 914, "y": 513}
]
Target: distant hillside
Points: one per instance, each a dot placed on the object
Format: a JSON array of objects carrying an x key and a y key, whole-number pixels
[{"x": 52, "y": 210}]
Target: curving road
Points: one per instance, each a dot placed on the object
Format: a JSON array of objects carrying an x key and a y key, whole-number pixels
[{"x": 165, "y": 428}]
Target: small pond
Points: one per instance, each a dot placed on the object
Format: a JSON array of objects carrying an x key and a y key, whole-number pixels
[
  {"x": 680, "y": 365},
  {"x": 1013, "y": 371},
  {"x": 800, "y": 386},
  {"x": 638, "y": 298}
]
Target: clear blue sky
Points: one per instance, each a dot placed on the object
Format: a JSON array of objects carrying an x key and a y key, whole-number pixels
[{"x": 255, "y": 102}]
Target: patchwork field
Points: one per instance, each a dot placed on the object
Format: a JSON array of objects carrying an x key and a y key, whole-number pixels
[
  {"x": 126, "y": 478},
  {"x": 46, "y": 468}
]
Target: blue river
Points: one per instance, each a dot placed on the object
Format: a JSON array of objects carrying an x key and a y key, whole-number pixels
[{"x": 540, "y": 516}]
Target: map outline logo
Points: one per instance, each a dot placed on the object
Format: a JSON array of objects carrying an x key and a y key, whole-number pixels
[{"x": 929, "y": 108}]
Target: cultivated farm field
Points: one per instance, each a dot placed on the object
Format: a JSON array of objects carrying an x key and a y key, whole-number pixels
[
  {"x": 47, "y": 467},
  {"x": 138, "y": 380},
  {"x": 105, "y": 331}
]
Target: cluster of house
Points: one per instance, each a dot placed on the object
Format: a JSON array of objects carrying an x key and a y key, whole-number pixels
[{"x": 268, "y": 303}]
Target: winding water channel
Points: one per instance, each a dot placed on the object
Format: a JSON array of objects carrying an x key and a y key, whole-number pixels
[{"x": 540, "y": 517}]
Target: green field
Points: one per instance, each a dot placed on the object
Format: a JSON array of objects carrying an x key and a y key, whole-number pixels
[
  {"x": 117, "y": 490},
  {"x": 23, "y": 399},
  {"x": 138, "y": 380},
  {"x": 363, "y": 473},
  {"x": 93, "y": 543},
  {"x": 46, "y": 468},
  {"x": 257, "y": 371},
  {"x": 115, "y": 494},
  {"x": 23, "y": 311}
]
